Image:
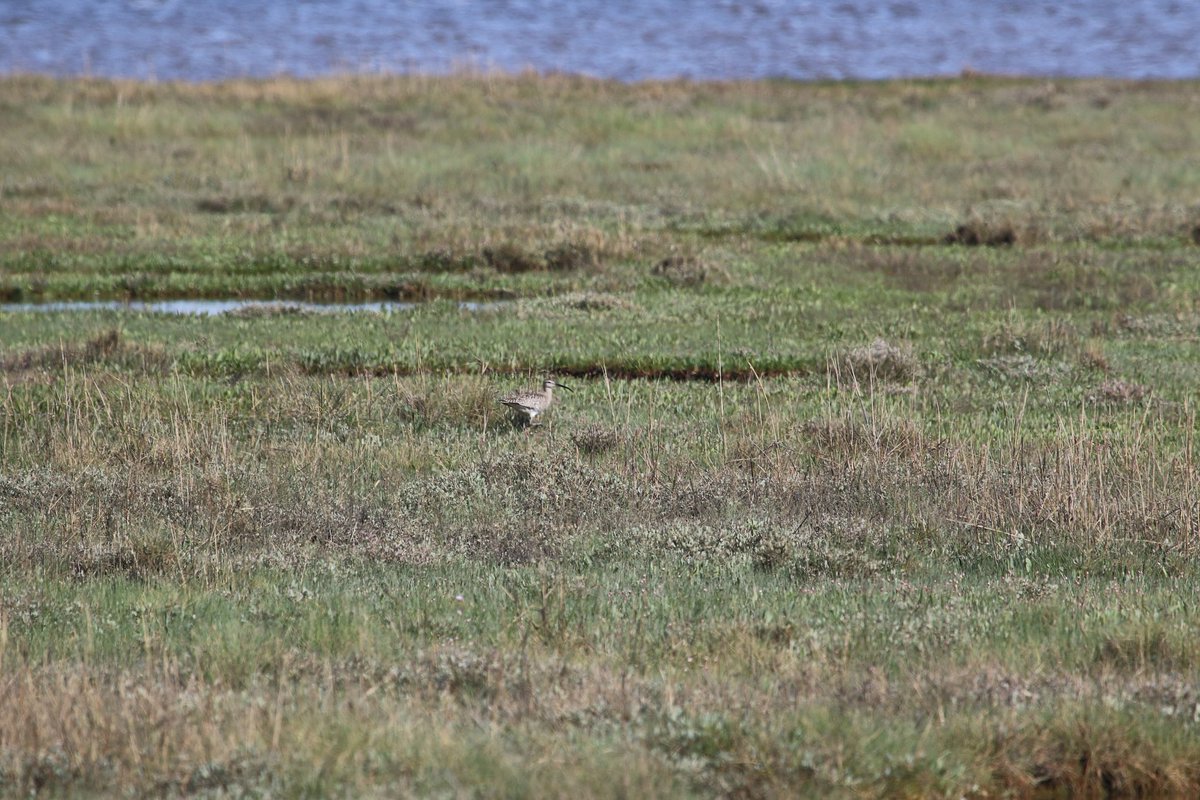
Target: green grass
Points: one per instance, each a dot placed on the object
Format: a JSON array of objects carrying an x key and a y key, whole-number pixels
[{"x": 877, "y": 479}]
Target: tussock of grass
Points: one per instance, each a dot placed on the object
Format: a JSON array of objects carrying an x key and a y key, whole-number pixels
[
  {"x": 596, "y": 301},
  {"x": 1026, "y": 367},
  {"x": 881, "y": 361},
  {"x": 975, "y": 234},
  {"x": 109, "y": 347},
  {"x": 596, "y": 439},
  {"x": 1119, "y": 391},
  {"x": 686, "y": 271},
  {"x": 424, "y": 401},
  {"x": 1017, "y": 336},
  {"x": 513, "y": 258},
  {"x": 1086, "y": 756}
]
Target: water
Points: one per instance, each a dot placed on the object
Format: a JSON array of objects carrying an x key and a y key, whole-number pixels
[
  {"x": 209, "y": 308},
  {"x": 624, "y": 39}
]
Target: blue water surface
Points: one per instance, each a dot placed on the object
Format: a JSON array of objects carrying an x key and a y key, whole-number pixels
[{"x": 623, "y": 39}]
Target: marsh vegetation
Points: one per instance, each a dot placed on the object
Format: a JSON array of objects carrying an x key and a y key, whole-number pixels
[{"x": 877, "y": 479}]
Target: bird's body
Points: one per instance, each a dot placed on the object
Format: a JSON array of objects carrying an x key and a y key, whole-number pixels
[{"x": 528, "y": 403}]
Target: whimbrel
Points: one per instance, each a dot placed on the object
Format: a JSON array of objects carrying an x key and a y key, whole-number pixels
[{"x": 530, "y": 402}]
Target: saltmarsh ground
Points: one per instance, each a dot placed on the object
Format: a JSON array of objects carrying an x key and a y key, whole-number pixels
[{"x": 878, "y": 477}]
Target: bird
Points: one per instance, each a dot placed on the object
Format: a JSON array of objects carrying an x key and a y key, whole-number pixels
[{"x": 530, "y": 403}]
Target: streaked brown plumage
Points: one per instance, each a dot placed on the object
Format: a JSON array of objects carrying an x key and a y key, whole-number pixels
[{"x": 528, "y": 403}]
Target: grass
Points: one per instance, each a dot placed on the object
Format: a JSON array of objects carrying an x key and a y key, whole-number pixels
[{"x": 878, "y": 478}]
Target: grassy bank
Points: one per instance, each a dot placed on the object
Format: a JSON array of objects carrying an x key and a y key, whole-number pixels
[{"x": 877, "y": 479}]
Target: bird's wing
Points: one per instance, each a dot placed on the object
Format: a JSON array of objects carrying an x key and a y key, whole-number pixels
[{"x": 516, "y": 401}]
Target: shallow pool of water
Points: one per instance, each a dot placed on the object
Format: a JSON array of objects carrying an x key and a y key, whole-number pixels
[{"x": 210, "y": 308}]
